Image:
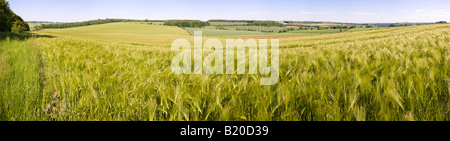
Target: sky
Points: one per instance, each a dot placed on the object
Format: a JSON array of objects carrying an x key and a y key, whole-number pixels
[{"x": 355, "y": 11}]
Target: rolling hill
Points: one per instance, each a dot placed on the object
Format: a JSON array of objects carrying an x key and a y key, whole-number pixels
[{"x": 125, "y": 32}]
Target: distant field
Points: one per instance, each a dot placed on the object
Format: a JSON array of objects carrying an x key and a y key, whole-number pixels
[
  {"x": 125, "y": 32},
  {"x": 122, "y": 28},
  {"x": 33, "y": 25},
  {"x": 328, "y": 31},
  {"x": 132, "y": 32},
  {"x": 311, "y": 24},
  {"x": 210, "y": 32},
  {"x": 228, "y": 23},
  {"x": 232, "y": 32},
  {"x": 259, "y": 28}
]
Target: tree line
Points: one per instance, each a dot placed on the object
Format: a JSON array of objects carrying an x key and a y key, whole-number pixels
[
  {"x": 187, "y": 23},
  {"x": 266, "y": 23},
  {"x": 9, "y": 21},
  {"x": 253, "y": 23}
]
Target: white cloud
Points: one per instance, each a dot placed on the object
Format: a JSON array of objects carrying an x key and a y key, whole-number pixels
[
  {"x": 419, "y": 11},
  {"x": 424, "y": 16},
  {"x": 317, "y": 13},
  {"x": 403, "y": 10},
  {"x": 436, "y": 13},
  {"x": 362, "y": 13}
]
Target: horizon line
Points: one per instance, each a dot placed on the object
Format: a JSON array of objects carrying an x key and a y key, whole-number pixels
[{"x": 240, "y": 20}]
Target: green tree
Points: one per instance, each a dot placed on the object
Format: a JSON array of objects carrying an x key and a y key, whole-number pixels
[
  {"x": 6, "y": 16},
  {"x": 187, "y": 23},
  {"x": 9, "y": 21},
  {"x": 18, "y": 26}
]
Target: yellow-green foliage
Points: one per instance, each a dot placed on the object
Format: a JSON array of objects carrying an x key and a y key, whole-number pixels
[{"x": 391, "y": 74}]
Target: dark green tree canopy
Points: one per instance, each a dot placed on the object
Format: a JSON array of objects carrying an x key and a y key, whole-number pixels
[
  {"x": 187, "y": 23},
  {"x": 266, "y": 23},
  {"x": 9, "y": 21}
]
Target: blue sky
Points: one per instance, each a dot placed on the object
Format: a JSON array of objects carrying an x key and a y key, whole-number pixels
[{"x": 361, "y": 11}]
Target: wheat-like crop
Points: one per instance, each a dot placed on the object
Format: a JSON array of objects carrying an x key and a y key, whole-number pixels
[{"x": 390, "y": 74}]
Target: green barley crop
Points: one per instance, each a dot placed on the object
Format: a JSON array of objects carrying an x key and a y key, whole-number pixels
[{"x": 395, "y": 74}]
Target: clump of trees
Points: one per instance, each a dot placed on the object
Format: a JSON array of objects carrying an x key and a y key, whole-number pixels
[
  {"x": 286, "y": 30},
  {"x": 266, "y": 23},
  {"x": 222, "y": 28},
  {"x": 187, "y": 23},
  {"x": 343, "y": 27},
  {"x": 245, "y": 29},
  {"x": 19, "y": 25},
  {"x": 9, "y": 21}
]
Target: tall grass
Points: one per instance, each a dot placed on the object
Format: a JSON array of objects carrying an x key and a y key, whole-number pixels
[
  {"x": 20, "y": 78},
  {"x": 395, "y": 74}
]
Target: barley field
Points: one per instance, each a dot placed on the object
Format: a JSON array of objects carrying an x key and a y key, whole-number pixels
[{"x": 95, "y": 74}]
